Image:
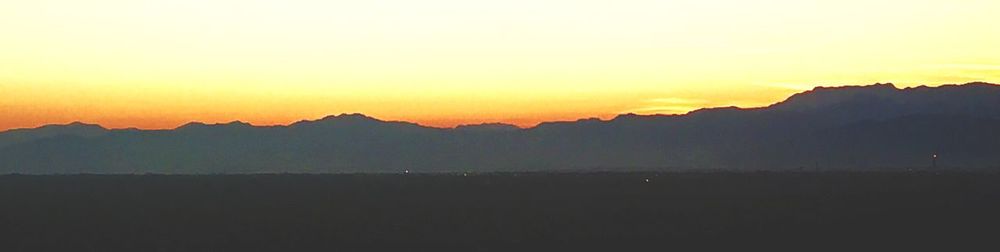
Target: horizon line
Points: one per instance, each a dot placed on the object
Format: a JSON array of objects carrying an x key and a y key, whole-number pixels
[{"x": 598, "y": 118}]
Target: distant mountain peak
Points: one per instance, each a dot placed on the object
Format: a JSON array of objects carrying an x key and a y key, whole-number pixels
[
  {"x": 828, "y": 96},
  {"x": 352, "y": 120},
  {"x": 581, "y": 120},
  {"x": 192, "y": 125},
  {"x": 884, "y": 88},
  {"x": 879, "y": 85},
  {"x": 716, "y": 111},
  {"x": 349, "y": 117},
  {"x": 67, "y": 126},
  {"x": 592, "y": 121},
  {"x": 629, "y": 116},
  {"x": 634, "y": 116},
  {"x": 78, "y": 129},
  {"x": 877, "y": 88},
  {"x": 488, "y": 127},
  {"x": 238, "y": 123},
  {"x": 82, "y": 124},
  {"x": 880, "y": 95},
  {"x": 232, "y": 124}
]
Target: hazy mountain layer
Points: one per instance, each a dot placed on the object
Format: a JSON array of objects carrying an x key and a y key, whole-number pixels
[{"x": 877, "y": 127}]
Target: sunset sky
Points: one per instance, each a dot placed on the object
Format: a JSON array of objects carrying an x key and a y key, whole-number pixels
[{"x": 160, "y": 64}]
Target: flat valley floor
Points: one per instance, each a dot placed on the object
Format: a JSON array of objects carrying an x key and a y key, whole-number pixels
[{"x": 470, "y": 212}]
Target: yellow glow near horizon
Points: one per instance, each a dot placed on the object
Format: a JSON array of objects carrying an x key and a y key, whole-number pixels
[{"x": 159, "y": 64}]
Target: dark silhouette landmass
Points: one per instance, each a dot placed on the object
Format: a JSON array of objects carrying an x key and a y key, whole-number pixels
[
  {"x": 554, "y": 185},
  {"x": 860, "y": 128},
  {"x": 490, "y": 212}
]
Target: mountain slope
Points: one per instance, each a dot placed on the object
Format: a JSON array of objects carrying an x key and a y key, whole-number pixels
[{"x": 16, "y": 136}]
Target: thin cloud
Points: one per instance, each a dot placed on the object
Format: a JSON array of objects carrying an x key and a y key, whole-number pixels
[
  {"x": 668, "y": 105},
  {"x": 663, "y": 110}
]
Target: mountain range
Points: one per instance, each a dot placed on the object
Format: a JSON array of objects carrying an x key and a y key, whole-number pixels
[{"x": 859, "y": 128}]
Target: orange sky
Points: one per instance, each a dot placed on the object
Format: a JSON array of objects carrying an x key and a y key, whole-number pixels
[{"x": 160, "y": 64}]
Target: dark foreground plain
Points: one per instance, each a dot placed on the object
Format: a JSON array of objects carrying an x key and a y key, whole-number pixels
[{"x": 486, "y": 211}]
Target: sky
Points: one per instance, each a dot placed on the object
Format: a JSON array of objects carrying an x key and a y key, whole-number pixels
[{"x": 160, "y": 64}]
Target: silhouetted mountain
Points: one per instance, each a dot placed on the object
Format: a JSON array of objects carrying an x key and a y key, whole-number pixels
[
  {"x": 78, "y": 129},
  {"x": 876, "y": 127},
  {"x": 487, "y": 127}
]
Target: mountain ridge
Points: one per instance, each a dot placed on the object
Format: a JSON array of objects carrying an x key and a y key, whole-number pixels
[
  {"x": 875, "y": 127},
  {"x": 361, "y": 116}
]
